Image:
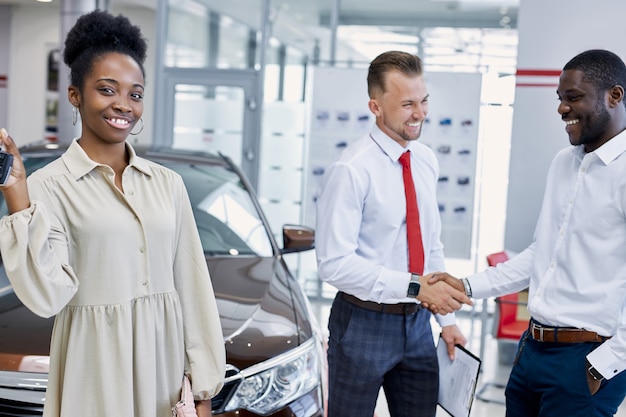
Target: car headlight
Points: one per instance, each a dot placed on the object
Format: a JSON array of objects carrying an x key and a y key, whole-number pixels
[{"x": 271, "y": 385}]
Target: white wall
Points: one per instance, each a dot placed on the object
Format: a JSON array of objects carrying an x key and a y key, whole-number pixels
[
  {"x": 550, "y": 34},
  {"x": 5, "y": 34},
  {"x": 33, "y": 29}
]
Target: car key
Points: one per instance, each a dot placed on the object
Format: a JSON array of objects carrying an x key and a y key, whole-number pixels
[{"x": 6, "y": 163}]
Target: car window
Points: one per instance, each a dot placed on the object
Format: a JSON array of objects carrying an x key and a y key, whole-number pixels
[{"x": 227, "y": 219}]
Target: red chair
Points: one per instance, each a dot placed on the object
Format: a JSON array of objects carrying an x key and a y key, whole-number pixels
[
  {"x": 496, "y": 258},
  {"x": 509, "y": 326},
  {"x": 508, "y": 323}
]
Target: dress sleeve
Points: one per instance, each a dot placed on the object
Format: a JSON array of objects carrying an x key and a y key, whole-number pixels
[
  {"x": 35, "y": 256},
  {"x": 204, "y": 343}
]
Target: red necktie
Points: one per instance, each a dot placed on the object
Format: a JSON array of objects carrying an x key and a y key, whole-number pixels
[{"x": 413, "y": 230}]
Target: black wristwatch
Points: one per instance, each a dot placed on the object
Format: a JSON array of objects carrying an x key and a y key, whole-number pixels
[
  {"x": 594, "y": 373},
  {"x": 414, "y": 286}
]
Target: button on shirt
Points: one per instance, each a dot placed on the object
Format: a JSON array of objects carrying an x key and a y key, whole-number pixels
[
  {"x": 361, "y": 241},
  {"x": 576, "y": 267}
]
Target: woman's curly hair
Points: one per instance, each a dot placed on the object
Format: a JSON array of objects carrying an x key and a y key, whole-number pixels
[{"x": 98, "y": 33}]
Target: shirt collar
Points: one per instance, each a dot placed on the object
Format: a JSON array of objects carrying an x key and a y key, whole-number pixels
[
  {"x": 79, "y": 164},
  {"x": 613, "y": 148},
  {"x": 390, "y": 147}
]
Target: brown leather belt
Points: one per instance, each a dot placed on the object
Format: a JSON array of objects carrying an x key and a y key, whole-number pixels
[
  {"x": 400, "y": 308},
  {"x": 542, "y": 333}
]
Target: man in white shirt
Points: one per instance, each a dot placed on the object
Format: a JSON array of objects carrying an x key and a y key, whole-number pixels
[
  {"x": 379, "y": 334},
  {"x": 570, "y": 361}
]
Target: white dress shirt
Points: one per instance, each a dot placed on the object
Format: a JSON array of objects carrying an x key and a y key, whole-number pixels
[
  {"x": 576, "y": 266},
  {"x": 361, "y": 241}
]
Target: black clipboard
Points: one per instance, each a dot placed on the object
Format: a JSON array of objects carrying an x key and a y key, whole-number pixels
[{"x": 457, "y": 379}]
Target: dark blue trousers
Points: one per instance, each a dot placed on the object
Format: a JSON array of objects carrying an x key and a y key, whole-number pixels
[
  {"x": 368, "y": 350},
  {"x": 549, "y": 380}
]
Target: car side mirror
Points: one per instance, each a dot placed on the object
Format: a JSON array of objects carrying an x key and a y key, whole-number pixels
[{"x": 297, "y": 238}]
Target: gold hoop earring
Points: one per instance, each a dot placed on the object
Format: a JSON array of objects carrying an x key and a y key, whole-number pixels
[
  {"x": 74, "y": 115},
  {"x": 140, "y": 130}
]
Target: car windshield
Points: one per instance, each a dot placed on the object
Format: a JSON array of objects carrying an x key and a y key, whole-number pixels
[{"x": 227, "y": 219}]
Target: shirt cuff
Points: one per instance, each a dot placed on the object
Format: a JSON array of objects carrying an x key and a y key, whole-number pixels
[
  {"x": 396, "y": 286},
  {"x": 605, "y": 361},
  {"x": 446, "y": 319},
  {"x": 481, "y": 286}
]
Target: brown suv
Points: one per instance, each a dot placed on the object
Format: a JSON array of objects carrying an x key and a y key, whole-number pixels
[{"x": 274, "y": 345}]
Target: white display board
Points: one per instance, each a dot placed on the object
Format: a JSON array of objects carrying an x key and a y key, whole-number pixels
[
  {"x": 339, "y": 115},
  {"x": 451, "y": 130}
]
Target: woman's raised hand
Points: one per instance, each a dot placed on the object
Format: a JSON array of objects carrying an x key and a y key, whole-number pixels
[
  {"x": 14, "y": 190},
  {"x": 18, "y": 173}
]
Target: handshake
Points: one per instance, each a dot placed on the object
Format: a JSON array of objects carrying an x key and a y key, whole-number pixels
[{"x": 442, "y": 293}]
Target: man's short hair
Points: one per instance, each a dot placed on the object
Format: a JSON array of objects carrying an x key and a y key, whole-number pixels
[
  {"x": 403, "y": 62},
  {"x": 600, "y": 67}
]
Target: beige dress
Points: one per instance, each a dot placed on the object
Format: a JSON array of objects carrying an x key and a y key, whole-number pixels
[{"x": 126, "y": 277}]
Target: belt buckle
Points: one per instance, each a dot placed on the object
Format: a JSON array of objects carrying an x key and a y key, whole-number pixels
[{"x": 540, "y": 328}]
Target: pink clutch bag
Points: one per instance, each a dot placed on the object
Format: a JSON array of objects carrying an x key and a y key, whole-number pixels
[{"x": 186, "y": 406}]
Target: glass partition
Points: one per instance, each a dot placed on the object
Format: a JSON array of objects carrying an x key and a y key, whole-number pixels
[
  {"x": 209, "y": 118},
  {"x": 200, "y": 37}
]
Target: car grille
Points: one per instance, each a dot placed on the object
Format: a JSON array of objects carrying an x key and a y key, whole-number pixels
[
  {"x": 10, "y": 408},
  {"x": 20, "y": 409}
]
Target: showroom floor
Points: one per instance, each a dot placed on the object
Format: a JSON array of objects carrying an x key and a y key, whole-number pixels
[{"x": 491, "y": 370}]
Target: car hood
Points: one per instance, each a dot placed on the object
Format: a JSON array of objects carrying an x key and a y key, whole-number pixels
[{"x": 261, "y": 314}]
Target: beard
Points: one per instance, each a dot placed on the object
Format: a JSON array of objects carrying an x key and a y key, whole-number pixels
[
  {"x": 596, "y": 125},
  {"x": 403, "y": 134}
]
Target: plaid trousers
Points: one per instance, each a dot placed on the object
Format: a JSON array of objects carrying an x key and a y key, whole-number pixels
[{"x": 368, "y": 350}]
